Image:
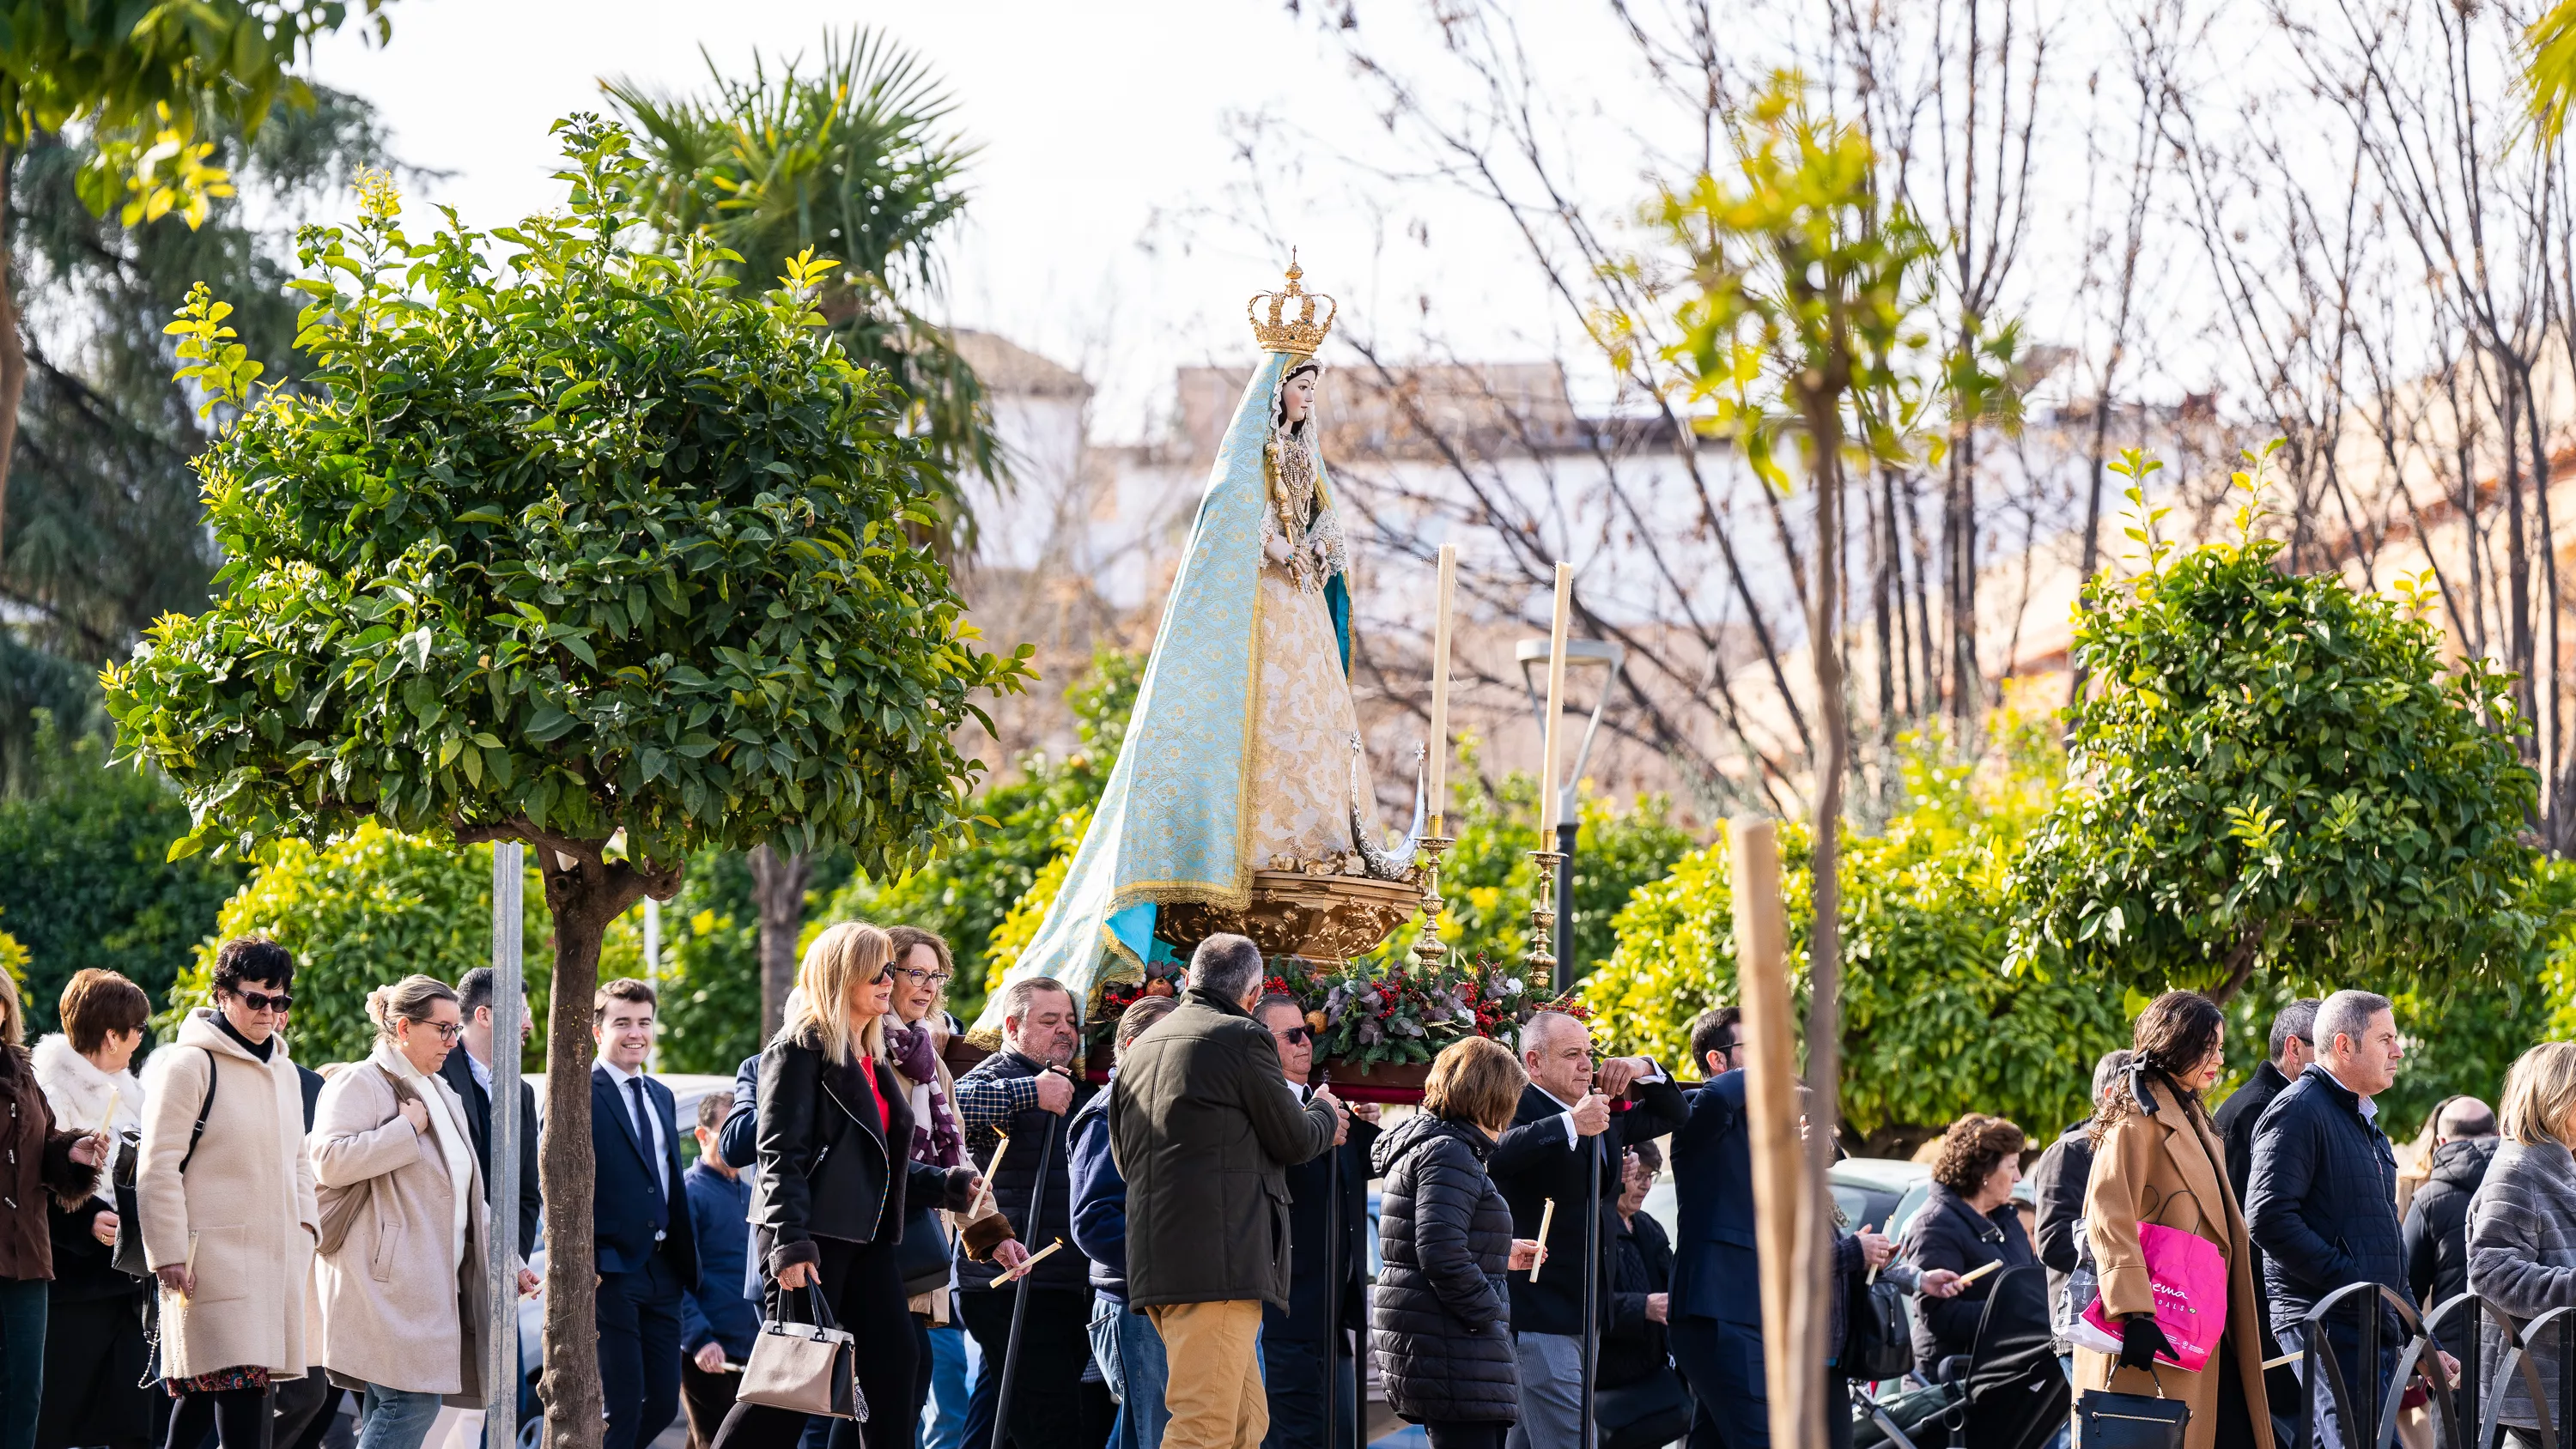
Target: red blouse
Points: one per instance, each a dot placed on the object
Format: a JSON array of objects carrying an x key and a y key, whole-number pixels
[{"x": 885, "y": 1114}]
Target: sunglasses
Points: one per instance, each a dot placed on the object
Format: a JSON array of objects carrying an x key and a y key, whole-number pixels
[
  {"x": 262, "y": 1001},
  {"x": 1298, "y": 1035}
]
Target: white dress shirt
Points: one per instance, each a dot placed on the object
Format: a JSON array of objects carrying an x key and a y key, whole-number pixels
[
  {"x": 648, "y": 1131},
  {"x": 1573, "y": 1138}
]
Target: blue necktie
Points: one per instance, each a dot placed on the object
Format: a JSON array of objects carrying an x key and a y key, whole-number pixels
[{"x": 652, "y": 1162}]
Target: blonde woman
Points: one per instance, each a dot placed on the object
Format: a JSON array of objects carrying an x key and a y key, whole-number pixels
[
  {"x": 2522, "y": 1223},
  {"x": 399, "y": 1275},
  {"x": 836, "y": 1175}
]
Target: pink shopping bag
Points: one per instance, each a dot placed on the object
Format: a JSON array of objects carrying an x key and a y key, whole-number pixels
[{"x": 2190, "y": 1279}]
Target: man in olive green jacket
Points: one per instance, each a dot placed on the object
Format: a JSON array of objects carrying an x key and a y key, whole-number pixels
[{"x": 1202, "y": 1126}]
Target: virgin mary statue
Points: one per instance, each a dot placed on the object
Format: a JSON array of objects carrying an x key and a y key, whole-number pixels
[{"x": 1244, "y": 750}]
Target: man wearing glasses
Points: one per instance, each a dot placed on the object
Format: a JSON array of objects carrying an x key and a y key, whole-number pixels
[
  {"x": 1294, "y": 1340},
  {"x": 1570, "y": 1123}
]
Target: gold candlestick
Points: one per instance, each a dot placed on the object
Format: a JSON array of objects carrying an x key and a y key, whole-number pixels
[
  {"x": 1542, "y": 951},
  {"x": 1428, "y": 953}
]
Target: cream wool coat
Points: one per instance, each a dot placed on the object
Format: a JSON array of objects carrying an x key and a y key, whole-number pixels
[
  {"x": 245, "y": 1204},
  {"x": 393, "y": 1314},
  {"x": 2169, "y": 1168}
]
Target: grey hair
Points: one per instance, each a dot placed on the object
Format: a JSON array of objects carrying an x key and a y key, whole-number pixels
[
  {"x": 2106, "y": 1072},
  {"x": 2298, "y": 1019},
  {"x": 406, "y": 1000},
  {"x": 2347, "y": 1013},
  {"x": 1225, "y": 966},
  {"x": 1534, "y": 1034}
]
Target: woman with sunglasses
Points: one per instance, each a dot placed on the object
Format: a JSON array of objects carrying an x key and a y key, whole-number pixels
[
  {"x": 226, "y": 1196},
  {"x": 400, "y": 1272}
]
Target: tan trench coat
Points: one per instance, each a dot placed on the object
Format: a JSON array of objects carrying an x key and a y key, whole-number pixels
[
  {"x": 2167, "y": 1168},
  {"x": 245, "y": 1203},
  {"x": 390, "y": 1316}
]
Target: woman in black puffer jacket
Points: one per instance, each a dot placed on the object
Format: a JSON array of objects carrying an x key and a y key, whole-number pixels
[{"x": 1440, "y": 1316}]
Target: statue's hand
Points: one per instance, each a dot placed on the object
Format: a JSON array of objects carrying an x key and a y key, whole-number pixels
[{"x": 1278, "y": 551}]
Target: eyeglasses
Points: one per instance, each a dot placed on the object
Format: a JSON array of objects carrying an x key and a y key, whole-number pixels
[
  {"x": 262, "y": 1001},
  {"x": 919, "y": 977},
  {"x": 447, "y": 1030},
  {"x": 1298, "y": 1035}
]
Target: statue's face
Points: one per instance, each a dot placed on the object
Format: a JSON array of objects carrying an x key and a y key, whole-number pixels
[{"x": 1297, "y": 399}]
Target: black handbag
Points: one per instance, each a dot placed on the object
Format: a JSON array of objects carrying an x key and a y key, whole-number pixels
[
  {"x": 922, "y": 1256},
  {"x": 129, "y": 1256},
  {"x": 2105, "y": 1420},
  {"x": 1876, "y": 1346}
]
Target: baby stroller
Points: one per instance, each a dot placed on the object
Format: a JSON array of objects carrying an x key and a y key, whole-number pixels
[{"x": 2012, "y": 1395}]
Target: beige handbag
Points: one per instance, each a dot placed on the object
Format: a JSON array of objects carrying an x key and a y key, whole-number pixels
[{"x": 811, "y": 1368}]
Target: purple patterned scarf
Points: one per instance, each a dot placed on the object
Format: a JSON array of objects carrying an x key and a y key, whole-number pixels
[{"x": 937, "y": 1141}]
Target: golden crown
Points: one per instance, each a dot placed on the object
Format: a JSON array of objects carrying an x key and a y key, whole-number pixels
[{"x": 1300, "y": 334}]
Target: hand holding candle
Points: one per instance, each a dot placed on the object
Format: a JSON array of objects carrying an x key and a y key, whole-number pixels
[{"x": 1546, "y": 1220}]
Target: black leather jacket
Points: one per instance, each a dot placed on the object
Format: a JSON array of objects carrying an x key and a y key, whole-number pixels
[{"x": 825, "y": 1171}]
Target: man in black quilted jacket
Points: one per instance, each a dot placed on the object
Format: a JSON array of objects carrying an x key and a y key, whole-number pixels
[{"x": 2323, "y": 1200}]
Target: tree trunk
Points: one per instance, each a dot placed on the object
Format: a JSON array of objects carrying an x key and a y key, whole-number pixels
[
  {"x": 13, "y": 354},
  {"x": 2240, "y": 962},
  {"x": 1824, "y": 952},
  {"x": 778, "y": 884},
  {"x": 584, "y": 898}
]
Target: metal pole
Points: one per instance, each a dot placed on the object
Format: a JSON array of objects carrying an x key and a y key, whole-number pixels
[
  {"x": 1020, "y": 1289},
  {"x": 1332, "y": 1293},
  {"x": 1591, "y": 1288},
  {"x": 501, "y": 1268},
  {"x": 1565, "y": 832}
]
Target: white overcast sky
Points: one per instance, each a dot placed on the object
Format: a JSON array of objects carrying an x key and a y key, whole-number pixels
[{"x": 1104, "y": 228}]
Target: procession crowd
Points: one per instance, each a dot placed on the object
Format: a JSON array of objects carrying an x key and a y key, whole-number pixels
[{"x": 221, "y": 1250}]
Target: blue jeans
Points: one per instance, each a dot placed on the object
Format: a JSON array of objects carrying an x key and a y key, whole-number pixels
[
  {"x": 943, "y": 1425},
  {"x": 395, "y": 1418},
  {"x": 24, "y": 1303},
  {"x": 1130, "y": 1355}
]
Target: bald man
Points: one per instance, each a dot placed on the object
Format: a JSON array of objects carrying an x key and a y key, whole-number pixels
[{"x": 1568, "y": 1121}]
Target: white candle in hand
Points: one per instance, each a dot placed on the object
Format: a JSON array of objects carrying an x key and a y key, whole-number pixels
[{"x": 1548, "y": 815}]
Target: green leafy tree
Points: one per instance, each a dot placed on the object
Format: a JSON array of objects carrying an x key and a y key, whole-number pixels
[
  {"x": 2275, "y": 773},
  {"x": 85, "y": 878},
  {"x": 574, "y": 544},
  {"x": 146, "y": 80},
  {"x": 1935, "y": 1023},
  {"x": 364, "y": 910},
  {"x": 711, "y": 963}
]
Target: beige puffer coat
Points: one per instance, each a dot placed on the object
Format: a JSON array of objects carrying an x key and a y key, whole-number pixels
[
  {"x": 392, "y": 1316},
  {"x": 245, "y": 1203}
]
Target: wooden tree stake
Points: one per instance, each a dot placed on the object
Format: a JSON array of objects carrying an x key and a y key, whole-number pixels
[{"x": 1784, "y": 1215}]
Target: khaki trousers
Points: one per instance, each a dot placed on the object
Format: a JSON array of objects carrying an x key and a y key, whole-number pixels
[{"x": 1214, "y": 1392}]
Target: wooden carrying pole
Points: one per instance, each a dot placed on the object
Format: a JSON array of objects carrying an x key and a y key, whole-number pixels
[{"x": 1785, "y": 1215}]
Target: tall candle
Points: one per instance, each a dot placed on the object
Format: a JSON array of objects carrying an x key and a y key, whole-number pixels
[
  {"x": 1440, "y": 690},
  {"x": 1547, "y": 791}
]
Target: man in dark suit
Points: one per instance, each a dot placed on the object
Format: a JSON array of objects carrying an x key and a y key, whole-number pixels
[
  {"x": 1566, "y": 1127},
  {"x": 1294, "y": 1339},
  {"x": 2294, "y": 1045},
  {"x": 1716, "y": 1305},
  {"x": 640, "y": 1219},
  {"x": 470, "y": 1073}
]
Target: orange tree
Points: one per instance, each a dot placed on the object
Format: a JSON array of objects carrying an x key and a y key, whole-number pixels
[{"x": 580, "y": 547}]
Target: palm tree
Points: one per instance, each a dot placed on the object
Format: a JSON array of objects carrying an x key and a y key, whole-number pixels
[
  {"x": 2550, "y": 79},
  {"x": 855, "y": 159}
]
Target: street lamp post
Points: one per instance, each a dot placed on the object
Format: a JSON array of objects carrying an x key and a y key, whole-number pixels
[{"x": 1579, "y": 654}]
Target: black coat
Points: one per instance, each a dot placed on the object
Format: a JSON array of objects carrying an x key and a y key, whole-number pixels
[
  {"x": 2324, "y": 1201},
  {"x": 825, "y": 1171},
  {"x": 1308, "y": 1285},
  {"x": 2437, "y": 1222},
  {"x": 2058, "y": 1181},
  {"x": 459, "y": 1072},
  {"x": 1202, "y": 1126},
  {"x": 1440, "y": 1320},
  {"x": 2236, "y": 1119},
  {"x": 1947, "y": 1233},
  {"x": 1634, "y": 1347},
  {"x": 1534, "y": 1162},
  {"x": 1034, "y": 1134}
]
